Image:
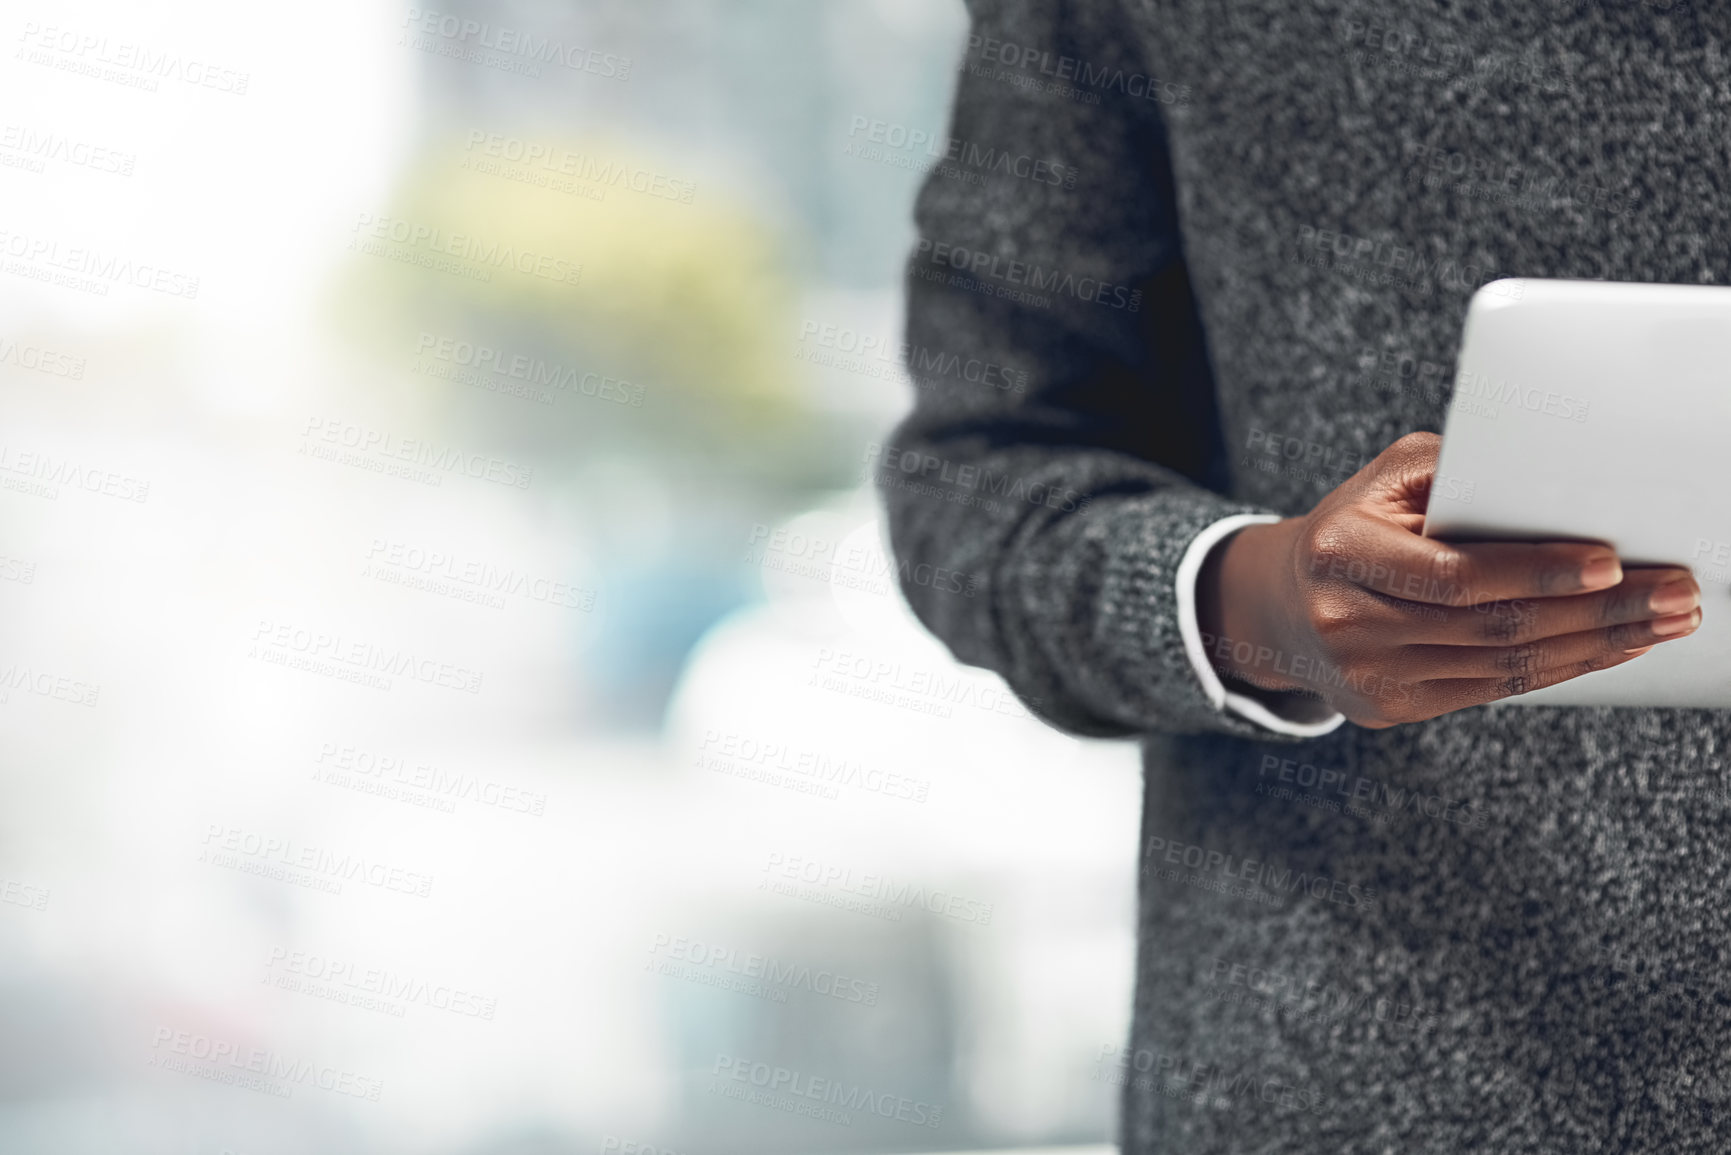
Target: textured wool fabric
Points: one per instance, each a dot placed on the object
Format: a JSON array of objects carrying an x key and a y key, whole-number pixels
[{"x": 1258, "y": 225}]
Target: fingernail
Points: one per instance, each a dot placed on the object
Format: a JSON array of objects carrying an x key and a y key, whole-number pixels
[
  {"x": 1640, "y": 649},
  {"x": 1674, "y": 597},
  {"x": 1601, "y": 573},
  {"x": 1677, "y": 624}
]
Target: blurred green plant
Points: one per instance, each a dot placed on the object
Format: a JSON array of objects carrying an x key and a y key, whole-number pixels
[{"x": 690, "y": 299}]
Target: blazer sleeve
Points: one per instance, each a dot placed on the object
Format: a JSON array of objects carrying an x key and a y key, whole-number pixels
[{"x": 1065, "y": 447}]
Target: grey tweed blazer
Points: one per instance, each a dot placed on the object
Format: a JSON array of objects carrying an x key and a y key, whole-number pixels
[{"x": 1189, "y": 258}]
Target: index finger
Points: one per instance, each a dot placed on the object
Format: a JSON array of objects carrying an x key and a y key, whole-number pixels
[{"x": 1390, "y": 560}]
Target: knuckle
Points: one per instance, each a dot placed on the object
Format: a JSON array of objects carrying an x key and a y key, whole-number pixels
[
  {"x": 1328, "y": 542},
  {"x": 1519, "y": 660},
  {"x": 1447, "y": 566},
  {"x": 1617, "y": 638},
  {"x": 1418, "y": 443},
  {"x": 1512, "y": 685},
  {"x": 1504, "y": 626},
  {"x": 1331, "y": 617},
  {"x": 1610, "y": 607}
]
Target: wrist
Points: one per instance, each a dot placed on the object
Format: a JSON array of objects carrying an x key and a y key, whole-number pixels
[{"x": 1239, "y": 607}]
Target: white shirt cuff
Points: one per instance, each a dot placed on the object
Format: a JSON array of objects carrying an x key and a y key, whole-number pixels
[{"x": 1189, "y": 569}]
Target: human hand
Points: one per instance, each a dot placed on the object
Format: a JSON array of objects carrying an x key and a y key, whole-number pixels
[{"x": 1351, "y": 604}]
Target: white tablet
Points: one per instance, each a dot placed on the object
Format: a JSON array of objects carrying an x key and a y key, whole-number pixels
[{"x": 1598, "y": 410}]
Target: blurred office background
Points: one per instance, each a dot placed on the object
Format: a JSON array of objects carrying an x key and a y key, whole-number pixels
[{"x": 456, "y": 702}]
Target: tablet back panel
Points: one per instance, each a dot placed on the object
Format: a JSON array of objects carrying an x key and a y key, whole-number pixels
[{"x": 1598, "y": 410}]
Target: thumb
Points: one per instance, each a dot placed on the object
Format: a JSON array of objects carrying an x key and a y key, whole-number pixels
[{"x": 1400, "y": 476}]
